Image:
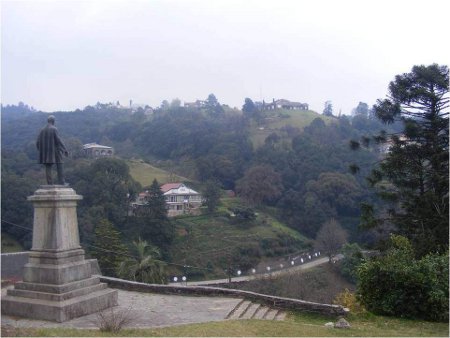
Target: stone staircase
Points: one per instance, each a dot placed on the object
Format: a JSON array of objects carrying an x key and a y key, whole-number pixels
[{"x": 249, "y": 310}]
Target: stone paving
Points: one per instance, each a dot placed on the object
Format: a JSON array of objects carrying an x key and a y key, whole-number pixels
[{"x": 147, "y": 311}]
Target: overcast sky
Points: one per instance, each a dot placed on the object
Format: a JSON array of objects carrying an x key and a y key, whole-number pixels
[{"x": 63, "y": 55}]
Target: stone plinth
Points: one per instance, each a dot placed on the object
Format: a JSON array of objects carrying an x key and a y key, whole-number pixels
[{"x": 58, "y": 284}]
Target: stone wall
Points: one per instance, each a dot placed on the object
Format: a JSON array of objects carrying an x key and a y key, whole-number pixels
[
  {"x": 277, "y": 302},
  {"x": 12, "y": 264}
]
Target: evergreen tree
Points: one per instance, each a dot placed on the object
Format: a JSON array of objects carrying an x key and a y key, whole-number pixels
[
  {"x": 413, "y": 176},
  {"x": 108, "y": 248},
  {"x": 328, "y": 108},
  {"x": 154, "y": 225}
]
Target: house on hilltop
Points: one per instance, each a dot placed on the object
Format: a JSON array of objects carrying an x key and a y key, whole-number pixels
[
  {"x": 94, "y": 150},
  {"x": 180, "y": 199},
  {"x": 282, "y": 104}
]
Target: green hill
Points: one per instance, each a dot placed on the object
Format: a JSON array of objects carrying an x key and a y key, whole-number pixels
[
  {"x": 275, "y": 120},
  {"x": 213, "y": 243},
  {"x": 145, "y": 173}
]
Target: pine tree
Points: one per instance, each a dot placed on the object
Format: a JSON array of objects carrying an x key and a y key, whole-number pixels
[
  {"x": 413, "y": 176},
  {"x": 155, "y": 225},
  {"x": 108, "y": 248}
]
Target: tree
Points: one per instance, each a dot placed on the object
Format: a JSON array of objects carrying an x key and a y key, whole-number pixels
[
  {"x": 107, "y": 247},
  {"x": 260, "y": 183},
  {"x": 413, "y": 177},
  {"x": 213, "y": 107},
  {"x": 361, "y": 109},
  {"x": 211, "y": 194},
  {"x": 144, "y": 267},
  {"x": 328, "y": 109},
  {"x": 249, "y": 107},
  {"x": 330, "y": 238},
  {"x": 152, "y": 221}
]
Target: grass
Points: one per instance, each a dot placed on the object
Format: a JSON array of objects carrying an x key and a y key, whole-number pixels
[
  {"x": 210, "y": 241},
  {"x": 279, "y": 118},
  {"x": 145, "y": 173},
  {"x": 296, "y": 325},
  {"x": 9, "y": 244}
]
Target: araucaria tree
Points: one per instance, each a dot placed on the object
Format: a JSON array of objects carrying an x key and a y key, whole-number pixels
[
  {"x": 413, "y": 176},
  {"x": 108, "y": 248}
]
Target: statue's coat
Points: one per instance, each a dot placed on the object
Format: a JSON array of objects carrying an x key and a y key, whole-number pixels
[{"x": 51, "y": 147}]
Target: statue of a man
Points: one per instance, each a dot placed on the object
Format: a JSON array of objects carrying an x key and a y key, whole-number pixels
[{"x": 51, "y": 148}]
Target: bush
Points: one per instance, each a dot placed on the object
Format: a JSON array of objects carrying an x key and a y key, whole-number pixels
[
  {"x": 397, "y": 284},
  {"x": 352, "y": 259},
  {"x": 348, "y": 299},
  {"x": 113, "y": 320}
]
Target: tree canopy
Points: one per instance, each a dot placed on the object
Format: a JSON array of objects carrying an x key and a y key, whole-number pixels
[{"x": 413, "y": 176}]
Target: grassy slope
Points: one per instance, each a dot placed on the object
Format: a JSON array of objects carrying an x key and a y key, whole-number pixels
[
  {"x": 208, "y": 240},
  {"x": 296, "y": 325},
  {"x": 145, "y": 173},
  {"x": 273, "y": 122}
]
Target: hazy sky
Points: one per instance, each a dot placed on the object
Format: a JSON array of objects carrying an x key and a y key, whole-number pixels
[{"x": 63, "y": 55}]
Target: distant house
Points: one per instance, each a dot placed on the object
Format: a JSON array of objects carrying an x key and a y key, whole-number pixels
[
  {"x": 94, "y": 150},
  {"x": 282, "y": 104},
  {"x": 196, "y": 104},
  {"x": 180, "y": 199}
]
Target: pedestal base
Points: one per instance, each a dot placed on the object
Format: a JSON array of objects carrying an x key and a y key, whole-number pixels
[
  {"x": 58, "y": 311},
  {"x": 58, "y": 284}
]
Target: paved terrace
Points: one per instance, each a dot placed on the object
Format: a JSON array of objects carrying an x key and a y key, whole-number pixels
[{"x": 148, "y": 311}]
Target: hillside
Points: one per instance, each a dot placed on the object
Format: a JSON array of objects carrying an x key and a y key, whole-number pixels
[
  {"x": 214, "y": 243},
  {"x": 279, "y": 119},
  {"x": 145, "y": 173}
]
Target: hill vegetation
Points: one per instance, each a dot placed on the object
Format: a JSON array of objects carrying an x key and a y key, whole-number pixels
[{"x": 293, "y": 172}]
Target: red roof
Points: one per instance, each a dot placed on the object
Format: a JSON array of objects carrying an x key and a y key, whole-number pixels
[{"x": 168, "y": 186}]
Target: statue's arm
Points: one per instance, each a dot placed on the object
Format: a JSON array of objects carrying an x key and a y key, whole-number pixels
[{"x": 59, "y": 143}]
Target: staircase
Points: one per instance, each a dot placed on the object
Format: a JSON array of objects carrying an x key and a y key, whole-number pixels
[{"x": 249, "y": 310}]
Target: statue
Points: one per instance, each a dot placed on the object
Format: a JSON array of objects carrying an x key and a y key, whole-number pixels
[{"x": 51, "y": 148}]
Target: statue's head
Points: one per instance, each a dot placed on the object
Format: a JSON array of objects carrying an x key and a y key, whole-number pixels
[{"x": 51, "y": 119}]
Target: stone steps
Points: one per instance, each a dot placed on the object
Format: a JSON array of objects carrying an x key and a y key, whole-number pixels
[{"x": 249, "y": 310}]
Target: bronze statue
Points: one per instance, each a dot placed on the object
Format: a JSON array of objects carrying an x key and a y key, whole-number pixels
[{"x": 51, "y": 148}]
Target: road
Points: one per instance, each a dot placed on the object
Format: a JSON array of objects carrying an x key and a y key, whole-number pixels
[{"x": 296, "y": 268}]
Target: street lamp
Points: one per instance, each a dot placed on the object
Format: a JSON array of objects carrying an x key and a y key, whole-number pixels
[
  {"x": 253, "y": 270},
  {"x": 175, "y": 279},
  {"x": 239, "y": 272},
  {"x": 292, "y": 263},
  {"x": 184, "y": 279}
]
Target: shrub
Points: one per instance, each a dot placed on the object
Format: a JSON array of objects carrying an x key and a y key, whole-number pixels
[
  {"x": 113, "y": 320},
  {"x": 352, "y": 259},
  {"x": 397, "y": 284},
  {"x": 348, "y": 299}
]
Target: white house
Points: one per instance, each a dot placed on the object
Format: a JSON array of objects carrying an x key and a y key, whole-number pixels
[
  {"x": 96, "y": 150},
  {"x": 180, "y": 199}
]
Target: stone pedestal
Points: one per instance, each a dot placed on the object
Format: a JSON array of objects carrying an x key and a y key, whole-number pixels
[{"x": 58, "y": 284}]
